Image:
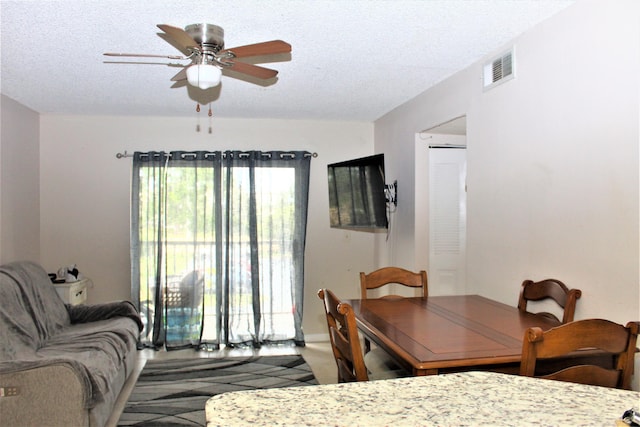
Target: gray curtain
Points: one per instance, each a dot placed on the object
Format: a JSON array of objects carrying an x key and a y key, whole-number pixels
[{"x": 217, "y": 246}]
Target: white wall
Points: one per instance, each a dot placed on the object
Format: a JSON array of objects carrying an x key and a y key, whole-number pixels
[
  {"x": 86, "y": 192},
  {"x": 553, "y": 162},
  {"x": 19, "y": 182},
  {"x": 564, "y": 196}
]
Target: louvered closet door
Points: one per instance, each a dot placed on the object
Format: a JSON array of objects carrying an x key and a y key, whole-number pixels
[{"x": 447, "y": 221}]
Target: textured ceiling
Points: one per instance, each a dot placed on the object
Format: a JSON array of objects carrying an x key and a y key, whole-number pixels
[{"x": 351, "y": 59}]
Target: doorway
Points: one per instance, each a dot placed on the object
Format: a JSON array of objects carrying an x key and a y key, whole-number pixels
[{"x": 442, "y": 210}]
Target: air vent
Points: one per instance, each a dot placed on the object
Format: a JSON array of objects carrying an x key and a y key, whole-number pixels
[{"x": 499, "y": 70}]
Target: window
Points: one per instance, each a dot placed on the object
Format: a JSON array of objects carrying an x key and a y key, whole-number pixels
[{"x": 218, "y": 246}]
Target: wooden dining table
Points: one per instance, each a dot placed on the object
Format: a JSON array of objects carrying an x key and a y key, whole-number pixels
[{"x": 438, "y": 334}]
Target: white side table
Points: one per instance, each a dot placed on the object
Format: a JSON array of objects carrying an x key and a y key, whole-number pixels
[{"x": 73, "y": 293}]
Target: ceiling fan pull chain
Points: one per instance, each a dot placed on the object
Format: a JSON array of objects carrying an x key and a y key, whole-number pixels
[
  {"x": 198, "y": 110},
  {"x": 210, "y": 115}
]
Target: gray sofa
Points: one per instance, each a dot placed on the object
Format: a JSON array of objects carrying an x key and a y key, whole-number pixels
[{"x": 59, "y": 364}]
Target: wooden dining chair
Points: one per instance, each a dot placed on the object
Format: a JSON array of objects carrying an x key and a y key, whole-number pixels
[
  {"x": 592, "y": 334},
  {"x": 388, "y": 276},
  {"x": 345, "y": 344},
  {"x": 550, "y": 289}
]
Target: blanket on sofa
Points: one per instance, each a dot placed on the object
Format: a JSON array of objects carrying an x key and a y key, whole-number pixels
[
  {"x": 37, "y": 329},
  {"x": 92, "y": 313}
]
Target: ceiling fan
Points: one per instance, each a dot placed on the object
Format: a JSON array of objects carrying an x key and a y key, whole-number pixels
[{"x": 203, "y": 44}]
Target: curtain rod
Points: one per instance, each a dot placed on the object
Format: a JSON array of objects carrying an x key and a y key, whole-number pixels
[{"x": 125, "y": 155}]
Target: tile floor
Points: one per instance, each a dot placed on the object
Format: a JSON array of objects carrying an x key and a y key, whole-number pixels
[{"x": 317, "y": 354}]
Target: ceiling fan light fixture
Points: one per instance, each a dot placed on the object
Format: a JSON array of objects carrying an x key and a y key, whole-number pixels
[{"x": 204, "y": 76}]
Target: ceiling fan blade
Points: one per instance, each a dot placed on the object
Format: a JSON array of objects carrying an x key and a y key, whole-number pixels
[
  {"x": 145, "y": 55},
  {"x": 180, "y": 36},
  {"x": 252, "y": 70},
  {"x": 182, "y": 75},
  {"x": 265, "y": 48}
]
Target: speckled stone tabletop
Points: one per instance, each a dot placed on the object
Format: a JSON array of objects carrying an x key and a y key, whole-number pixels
[{"x": 461, "y": 399}]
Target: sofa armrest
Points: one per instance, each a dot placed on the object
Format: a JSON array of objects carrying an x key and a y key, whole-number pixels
[
  {"x": 95, "y": 312},
  {"x": 38, "y": 395}
]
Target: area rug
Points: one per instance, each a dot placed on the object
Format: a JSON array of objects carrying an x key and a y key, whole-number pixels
[{"x": 174, "y": 392}]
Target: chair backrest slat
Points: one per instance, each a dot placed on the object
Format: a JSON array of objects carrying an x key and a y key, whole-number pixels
[
  {"x": 587, "y": 374},
  {"x": 393, "y": 275}
]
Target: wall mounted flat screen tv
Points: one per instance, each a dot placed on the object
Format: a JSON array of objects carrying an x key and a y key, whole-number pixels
[{"x": 357, "y": 198}]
